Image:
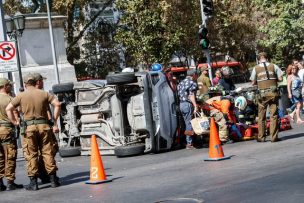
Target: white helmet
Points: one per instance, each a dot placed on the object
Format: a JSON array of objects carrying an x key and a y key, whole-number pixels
[{"x": 240, "y": 103}]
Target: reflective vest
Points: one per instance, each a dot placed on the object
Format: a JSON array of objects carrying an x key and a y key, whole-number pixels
[{"x": 264, "y": 80}]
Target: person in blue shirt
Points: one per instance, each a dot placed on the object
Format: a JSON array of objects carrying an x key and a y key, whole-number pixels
[{"x": 186, "y": 92}]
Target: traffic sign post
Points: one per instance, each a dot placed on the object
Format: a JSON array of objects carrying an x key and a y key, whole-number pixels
[{"x": 8, "y": 56}]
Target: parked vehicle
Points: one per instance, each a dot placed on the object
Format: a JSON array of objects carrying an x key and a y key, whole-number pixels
[
  {"x": 240, "y": 73},
  {"x": 130, "y": 113}
]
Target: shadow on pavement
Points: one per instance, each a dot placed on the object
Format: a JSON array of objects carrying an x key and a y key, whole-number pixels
[
  {"x": 287, "y": 137},
  {"x": 75, "y": 178},
  {"x": 80, "y": 177}
]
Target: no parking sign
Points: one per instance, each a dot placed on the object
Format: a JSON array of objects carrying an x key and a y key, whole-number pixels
[{"x": 8, "y": 58}]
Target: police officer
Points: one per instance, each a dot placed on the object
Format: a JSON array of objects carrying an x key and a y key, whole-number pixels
[
  {"x": 42, "y": 171},
  {"x": 34, "y": 105},
  {"x": 8, "y": 145},
  {"x": 266, "y": 75}
]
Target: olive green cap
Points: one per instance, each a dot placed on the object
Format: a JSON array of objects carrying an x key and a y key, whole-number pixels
[{"x": 4, "y": 81}]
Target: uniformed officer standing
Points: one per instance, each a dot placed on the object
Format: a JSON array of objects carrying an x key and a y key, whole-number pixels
[
  {"x": 42, "y": 171},
  {"x": 266, "y": 75},
  {"x": 8, "y": 145},
  {"x": 34, "y": 105}
]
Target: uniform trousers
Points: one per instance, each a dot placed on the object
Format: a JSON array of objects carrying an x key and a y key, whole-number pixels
[
  {"x": 8, "y": 154},
  {"x": 263, "y": 103},
  {"x": 38, "y": 139}
]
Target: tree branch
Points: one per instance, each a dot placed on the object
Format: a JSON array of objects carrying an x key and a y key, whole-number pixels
[{"x": 80, "y": 35}]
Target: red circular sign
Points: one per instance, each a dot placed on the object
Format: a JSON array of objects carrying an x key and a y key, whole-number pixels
[{"x": 7, "y": 51}]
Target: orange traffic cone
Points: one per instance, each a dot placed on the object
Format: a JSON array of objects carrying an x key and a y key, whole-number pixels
[
  {"x": 97, "y": 173},
  {"x": 215, "y": 148}
]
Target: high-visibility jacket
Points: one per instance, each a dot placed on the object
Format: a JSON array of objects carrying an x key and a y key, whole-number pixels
[{"x": 224, "y": 107}]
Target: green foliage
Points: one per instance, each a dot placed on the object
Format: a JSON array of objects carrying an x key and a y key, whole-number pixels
[
  {"x": 283, "y": 29},
  {"x": 152, "y": 30},
  {"x": 232, "y": 29}
]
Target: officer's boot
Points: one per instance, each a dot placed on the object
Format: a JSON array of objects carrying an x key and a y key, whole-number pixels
[
  {"x": 11, "y": 185},
  {"x": 33, "y": 184},
  {"x": 2, "y": 186},
  {"x": 54, "y": 180}
]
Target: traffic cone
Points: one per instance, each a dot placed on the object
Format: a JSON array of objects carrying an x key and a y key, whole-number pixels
[
  {"x": 216, "y": 152},
  {"x": 97, "y": 173}
]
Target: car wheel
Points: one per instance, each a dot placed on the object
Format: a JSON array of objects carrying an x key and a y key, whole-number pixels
[
  {"x": 69, "y": 151},
  {"x": 120, "y": 78},
  {"x": 64, "y": 87},
  {"x": 130, "y": 150}
]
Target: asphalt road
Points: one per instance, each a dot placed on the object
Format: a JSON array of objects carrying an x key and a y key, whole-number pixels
[{"x": 256, "y": 172}]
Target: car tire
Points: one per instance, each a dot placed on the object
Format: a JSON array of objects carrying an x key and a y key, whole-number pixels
[
  {"x": 64, "y": 87},
  {"x": 130, "y": 150},
  {"x": 69, "y": 151},
  {"x": 120, "y": 78}
]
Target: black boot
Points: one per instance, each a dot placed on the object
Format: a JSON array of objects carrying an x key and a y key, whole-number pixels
[
  {"x": 54, "y": 180},
  {"x": 2, "y": 186},
  {"x": 33, "y": 184},
  {"x": 11, "y": 185}
]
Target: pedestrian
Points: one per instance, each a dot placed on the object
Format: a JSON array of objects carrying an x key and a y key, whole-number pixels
[
  {"x": 226, "y": 82},
  {"x": 300, "y": 67},
  {"x": 218, "y": 76},
  {"x": 203, "y": 84},
  {"x": 186, "y": 92},
  {"x": 266, "y": 75},
  {"x": 8, "y": 143},
  {"x": 34, "y": 105},
  {"x": 294, "y": 87}
]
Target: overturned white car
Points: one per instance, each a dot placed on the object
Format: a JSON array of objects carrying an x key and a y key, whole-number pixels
[{"x": 130, "y": 113}]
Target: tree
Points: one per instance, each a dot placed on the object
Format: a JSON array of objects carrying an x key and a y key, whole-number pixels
[
  {"x": 232, "y": 30},
  {"x": 152, "y": 30},
  {"x": 282, "y": 28}
]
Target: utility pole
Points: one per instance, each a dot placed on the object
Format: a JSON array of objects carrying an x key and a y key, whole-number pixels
[
  {"x": 52, "y": 41},
  {"x": 3, "y": 36},
  {"x": 204, "y": 19}
]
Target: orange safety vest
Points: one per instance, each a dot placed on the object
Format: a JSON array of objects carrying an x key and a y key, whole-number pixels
[{"x": 224, "y": 107}]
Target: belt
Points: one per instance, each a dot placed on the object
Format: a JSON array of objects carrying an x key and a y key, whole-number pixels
[
  {"x": 36, "y": 122},
  {"x": 6, "y": 124},
  {"x": 268, "y": 90}
]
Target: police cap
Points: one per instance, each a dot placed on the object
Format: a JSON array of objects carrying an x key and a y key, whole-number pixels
[{"x": 4, "y": 81}]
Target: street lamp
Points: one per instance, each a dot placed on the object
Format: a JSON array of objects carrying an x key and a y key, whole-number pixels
[{"x": 14, "y": 29}]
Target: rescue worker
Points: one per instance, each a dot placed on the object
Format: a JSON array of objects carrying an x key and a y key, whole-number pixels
[
  {"x": 42, "y": 171},
  {"x": 34, "y": 105},
  {"x": 223, "y": 114},
  {"x": 266, "y": 75},
  {"x": 203, "y": 84},
  {"x": 186, "y": 92},
  {"x": 8, "y": 144},
  {"x": 226, "y": 81}
]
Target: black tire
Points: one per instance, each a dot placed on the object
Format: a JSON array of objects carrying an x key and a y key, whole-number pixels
[
  {"x": 62, "y": 88},
  {"x": 120, "y": 78},
  {"x": 130, "y": 150},
  {"x": 69, "y": 151}
]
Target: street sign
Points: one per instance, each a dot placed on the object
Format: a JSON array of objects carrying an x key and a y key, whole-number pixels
[{"x": 8, "y": 58}]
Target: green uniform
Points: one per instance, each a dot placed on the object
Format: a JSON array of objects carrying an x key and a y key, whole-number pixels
[
  {"x": 8, "y": 146},
  {"x": 203, "y": 84},
  {"x": 38, "y": 136},
  {"x": 266, "y": 78}
]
